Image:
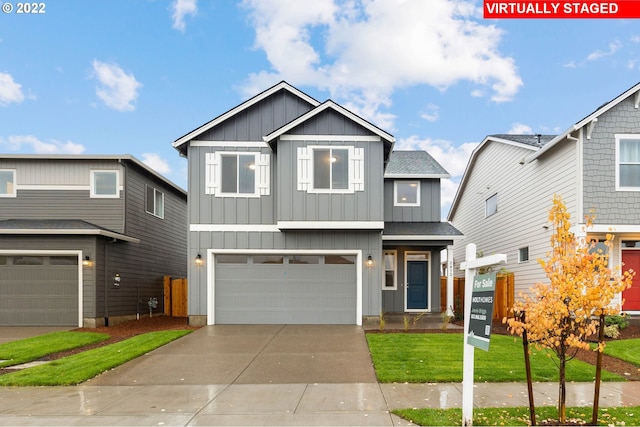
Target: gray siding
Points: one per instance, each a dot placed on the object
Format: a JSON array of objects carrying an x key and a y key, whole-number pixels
[
  {"x": 599, "y": 188},
  {"x": 330, "y": 122},
  {"x": 295, "y": 205},
  {"x": 429, "y": 209}
]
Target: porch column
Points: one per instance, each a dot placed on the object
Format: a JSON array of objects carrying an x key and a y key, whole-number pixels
[{"x": 449, "y": 280}]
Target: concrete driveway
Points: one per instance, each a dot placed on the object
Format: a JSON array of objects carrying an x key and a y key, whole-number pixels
[{"x": 253, "y": 354}]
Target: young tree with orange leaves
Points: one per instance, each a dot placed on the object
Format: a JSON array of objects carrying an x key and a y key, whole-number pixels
[{"x": 562, "y": 314}]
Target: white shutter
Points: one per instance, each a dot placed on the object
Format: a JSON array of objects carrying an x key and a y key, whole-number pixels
[
  {"x": 357, "y": 169},
  {"x": 304, "y": 168},
  {"x": 263, "y": 175},
  {"x": 212, "y": 173}
]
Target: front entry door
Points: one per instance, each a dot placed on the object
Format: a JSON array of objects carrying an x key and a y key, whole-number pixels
[
  {"x": 631, "y": 296},
  {"x": 417, "y": 285}
]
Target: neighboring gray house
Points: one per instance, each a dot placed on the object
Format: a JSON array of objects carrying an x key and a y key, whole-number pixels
[
  {"x": 503, "y": 202},
  {"x": 86, "y": 240},
  {"x": 293, "y": 220}
]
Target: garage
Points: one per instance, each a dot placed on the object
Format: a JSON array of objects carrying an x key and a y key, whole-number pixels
[
  {"x": 39, "y": 290},
  {"x": 285, "y": 288}
]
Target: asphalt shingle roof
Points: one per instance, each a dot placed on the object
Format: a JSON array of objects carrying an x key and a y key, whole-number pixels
[
  {"x": 414, "y": 163},
  {"x": 533, "y": 140},
  {"x": 443, "y": 229}
]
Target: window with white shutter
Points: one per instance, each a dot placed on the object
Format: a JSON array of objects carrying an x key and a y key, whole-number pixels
[
  {"x": 330, "y": 169},
  {"x": 235, "y": 174}
]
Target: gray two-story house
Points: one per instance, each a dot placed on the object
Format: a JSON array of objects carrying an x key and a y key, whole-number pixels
[
  {"x": 85, "y": 240},
  {"x": 293, "y": 220}
]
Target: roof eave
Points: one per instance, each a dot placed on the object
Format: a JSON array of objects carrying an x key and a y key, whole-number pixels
[
  {"x": 416, "y": 176},
  {"x": 73, "y": 231}
]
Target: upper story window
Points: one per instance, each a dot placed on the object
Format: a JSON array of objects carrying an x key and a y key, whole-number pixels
[
  {"x": 523, "y": 254},
  {"x": 7, "y": 183},
  {"x": 154, "y": 202},
  {"x": 105, "y": 184},
  {"x": 406, "y": 193},
  {"x": 628, "y": 162},
  {"x": 330, "y": 169},
  {"x": 233, "y": 174},
  {"x": 491, "y": 205}
]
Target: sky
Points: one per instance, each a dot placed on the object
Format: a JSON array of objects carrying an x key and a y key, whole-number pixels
[{"x": 132, "y": 76}]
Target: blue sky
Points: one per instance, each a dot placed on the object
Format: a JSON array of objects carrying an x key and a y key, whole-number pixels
[{"x": 131, "y": 76}]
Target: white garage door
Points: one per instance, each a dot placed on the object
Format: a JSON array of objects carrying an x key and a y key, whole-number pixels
[
  {"x": 285, "y": 289},
  {"x": 38, "y": 290}
]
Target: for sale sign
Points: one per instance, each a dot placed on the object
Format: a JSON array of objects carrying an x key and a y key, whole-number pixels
[{"x": 482, "y": 295}]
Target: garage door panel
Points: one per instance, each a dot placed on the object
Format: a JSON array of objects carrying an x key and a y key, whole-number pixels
[{"x": 285, "y": 293}]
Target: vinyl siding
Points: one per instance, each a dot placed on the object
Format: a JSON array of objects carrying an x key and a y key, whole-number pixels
[{"x": 525, "y": 192}]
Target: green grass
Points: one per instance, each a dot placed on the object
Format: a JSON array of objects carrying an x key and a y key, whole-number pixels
[
  {"x": 518, "y": 416},
  {"x": 626, "y": 350},
  {"x": 29, "y": 349},
  {"x": 419, "y": 358},
  {"x": 80, "y": 367}
]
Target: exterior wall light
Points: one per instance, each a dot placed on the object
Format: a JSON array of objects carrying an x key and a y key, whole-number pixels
[
  {"x": 369, "y": 261},
  {"x": 199, "y": 260},
  {"x": 86, "y": 262}
]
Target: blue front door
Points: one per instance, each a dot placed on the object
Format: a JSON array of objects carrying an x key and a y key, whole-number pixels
[{"x": 417, "y": 289}]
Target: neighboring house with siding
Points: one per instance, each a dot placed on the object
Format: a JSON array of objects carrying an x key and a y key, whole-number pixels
[
  {"x": 86, "y": 240},
  {"x": 503, "y": 201},
  {"x": 292, "y": 218}
]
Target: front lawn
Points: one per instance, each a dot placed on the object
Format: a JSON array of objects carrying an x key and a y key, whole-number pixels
[
  {"x": 80, "y": 367},
  {"x": 519, "y": 416},
  {"x": 420, "y": 358},
  {"x": 626, "y": 350},
  {"x": 29, "y": 349}
]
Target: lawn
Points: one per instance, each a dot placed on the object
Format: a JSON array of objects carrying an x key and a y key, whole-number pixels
[
  {"x": 419, "y": 358},
  {"x": 29, "y": 349},
  {"x": 626, "y": 350},
  {"x": 518, "y": 416},
  {"x": 80, "y": 367}
]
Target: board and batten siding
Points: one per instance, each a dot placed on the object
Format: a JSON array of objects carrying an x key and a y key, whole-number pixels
[
  {"x": 429, "y": 209},
  {"x": 525, "y": 193},
  {"x": 369, "y": 242},
  {"x": 300, "y": 205}
]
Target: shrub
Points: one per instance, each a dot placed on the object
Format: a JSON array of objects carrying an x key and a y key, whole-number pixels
[
  {"x": 611, "y": 331},
  {"x": 620, "y": 320}
]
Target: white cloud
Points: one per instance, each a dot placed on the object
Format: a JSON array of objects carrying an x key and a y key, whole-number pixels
[
  {"x": 520, "y": 129},
  {"x": 118, "y": 89},
  {"x": 10, "y": 91},
  {"x": 613, "y": 48},
  {"x": 33, "y": 144},
  {"x": 155, "y": 162},
  {"x": 431, "y": 113},
  {"x": 328, "y": 44},
  {"x": 181, "y": 8}
]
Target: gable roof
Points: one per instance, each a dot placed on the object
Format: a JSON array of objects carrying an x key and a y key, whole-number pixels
[
  {"x": 414, "y": 164},
  {"x": 180, "y": 142},
  {"x": 590, "y": 119},
  {"x": 528, "y": 142}
]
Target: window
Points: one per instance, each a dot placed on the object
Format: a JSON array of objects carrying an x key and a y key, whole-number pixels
[
  {"x": 523, "y": 254},
  {"x": 304, "y": 259},
  {"x": 330, "y": 169},
  {"x": 406, "y": 193},
  {"x": 491, "y": 205},
  {"x": 155, "y": 202},
  {"x": 63, "y": 260},
  {"x": 231, "y": 259},
  {"x": 7, "y": 183},
  {"x": 231, "y": 174},
  {"x": 105, "y": 184},
  {"x": 28, "y": 260},
  {"x": 339, "y": 259},
  {"x": 268, "y": 259},
  {"x": 628, "y": 162},
  {"x": 390, "y": 269}
]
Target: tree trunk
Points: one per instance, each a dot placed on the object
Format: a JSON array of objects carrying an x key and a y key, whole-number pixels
[
  {"x": 596, "y": 390},
  {"x": 562, "y": 398}
]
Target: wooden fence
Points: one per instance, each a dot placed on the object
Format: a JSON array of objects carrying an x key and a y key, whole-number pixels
[
  {"x": 503, "y": 300},
  {"x": 175, "y": 297}
]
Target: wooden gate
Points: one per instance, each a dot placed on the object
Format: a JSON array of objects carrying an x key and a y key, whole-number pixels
[
  {"x": 503, "y": 300},
  {"x": 175, "y": 297}
]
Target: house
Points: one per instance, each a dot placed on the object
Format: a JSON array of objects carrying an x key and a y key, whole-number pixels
[
  {"x": 301, "y": 212},
  {"x": 86, "y": 240},
  {"x": 504, "y": 197}
]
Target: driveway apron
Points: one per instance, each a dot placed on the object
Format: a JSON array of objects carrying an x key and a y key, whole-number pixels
[{"x": 253, "y": 354}]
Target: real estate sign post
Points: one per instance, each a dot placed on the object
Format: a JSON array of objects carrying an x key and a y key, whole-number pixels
[{"x": 482, "y": 296}]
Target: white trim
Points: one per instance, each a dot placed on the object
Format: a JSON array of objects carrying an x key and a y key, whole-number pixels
[
  {"x": 56, "y": 252},
  {"x": 393, "y": 252},
  {"x": 418, "y": 188},
  {"x": 421, "y": 237},
  {"x": 235, "y": 144},
  {"x": 55, "y": 187},
  {"x": 261, "y": 174},
  {"x": 267, "y": 228},
  {"x": 92, "y": 184},
  {"x": 306, "y": 164},
  {"x": 14, "y": 184},
  {"x": 406, "y": 284},
  {"x": 611, "y": 228},
  {"x": 72, "y": 231},
  {"x": 332, "y": 225},
  {"x": 210, "y": 262},
  {"x": 331, "y": 138}
]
